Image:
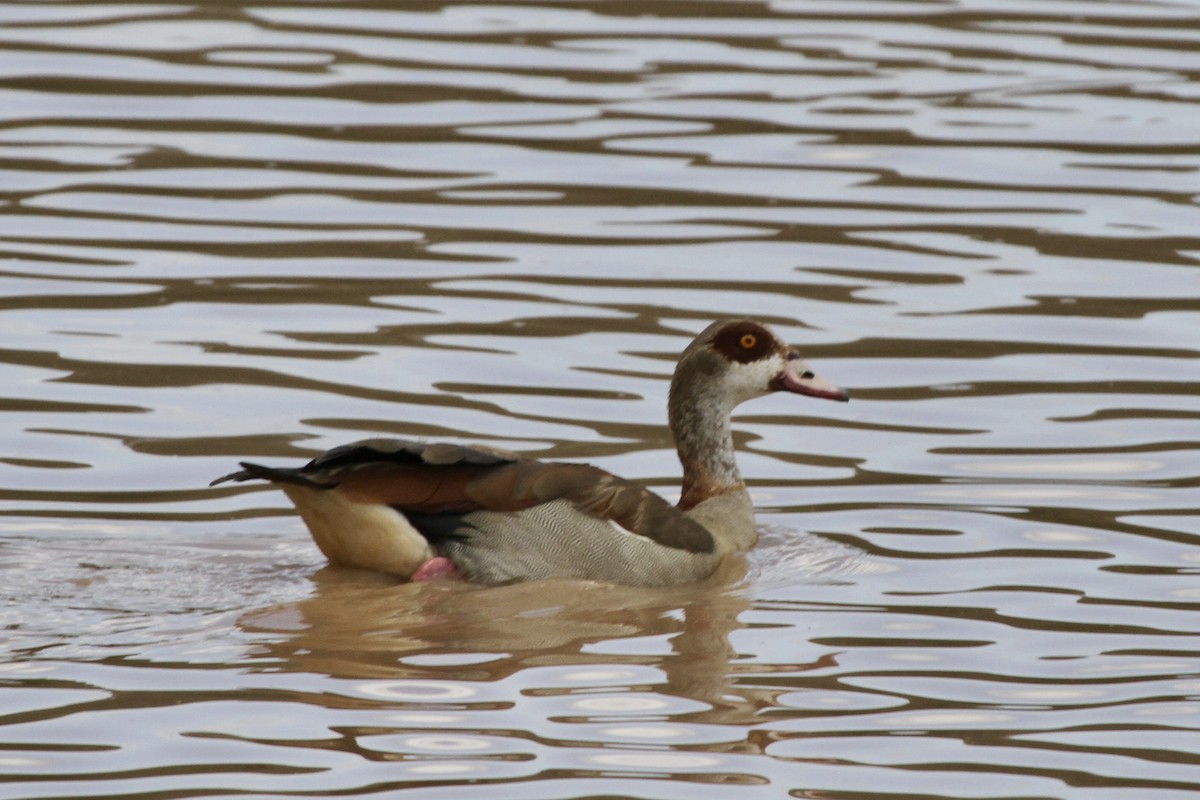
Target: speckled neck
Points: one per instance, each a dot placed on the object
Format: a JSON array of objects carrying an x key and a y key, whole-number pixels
[{"x": 698, "y": 410}]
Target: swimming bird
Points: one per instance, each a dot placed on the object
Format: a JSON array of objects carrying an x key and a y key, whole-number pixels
[{"x": 420, "y": 510}]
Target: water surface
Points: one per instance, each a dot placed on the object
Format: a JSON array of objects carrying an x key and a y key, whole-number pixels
[{"x": 256, "y": 231}]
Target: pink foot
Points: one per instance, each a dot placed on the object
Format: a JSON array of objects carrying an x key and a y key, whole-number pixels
[{"x": 438, "y": 568}]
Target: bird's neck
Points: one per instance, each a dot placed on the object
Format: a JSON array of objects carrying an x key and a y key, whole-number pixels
[{"x": 699, "y": 419}]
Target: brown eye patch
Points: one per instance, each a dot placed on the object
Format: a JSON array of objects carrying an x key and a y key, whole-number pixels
[{"x": 744, "y": 342}]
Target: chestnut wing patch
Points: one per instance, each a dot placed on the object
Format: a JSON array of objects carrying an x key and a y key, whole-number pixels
[
  {"x": 596, "y": 492},
  {"x": 431, "y": 479}
]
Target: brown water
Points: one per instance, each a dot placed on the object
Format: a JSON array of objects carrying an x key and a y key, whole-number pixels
[{"x": 258, "y": 231}]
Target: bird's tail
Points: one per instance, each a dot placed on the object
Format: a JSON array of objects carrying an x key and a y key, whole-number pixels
[{"x": 250, "y": 472}]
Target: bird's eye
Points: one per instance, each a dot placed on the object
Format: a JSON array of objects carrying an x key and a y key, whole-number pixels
[
  {"x": 808, "y": 376},
  {"x": 748, "y": 341}
]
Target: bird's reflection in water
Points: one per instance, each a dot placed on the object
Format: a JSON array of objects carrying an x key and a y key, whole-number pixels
[
  {"x": 365, "y": 626},
  {"x": 361, "y": 625}
]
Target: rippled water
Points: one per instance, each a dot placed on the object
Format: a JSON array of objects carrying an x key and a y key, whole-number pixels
[{"x": 236, "y": 231}]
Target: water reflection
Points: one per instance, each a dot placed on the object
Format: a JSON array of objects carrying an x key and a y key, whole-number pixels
[
  {"x": 257, "y": 232},
  {"x": 357, "y": 625},
  {"x": 603, "y": 667}
]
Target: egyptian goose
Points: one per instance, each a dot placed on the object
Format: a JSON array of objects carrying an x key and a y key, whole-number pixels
[{"x": 422, "y": 510}]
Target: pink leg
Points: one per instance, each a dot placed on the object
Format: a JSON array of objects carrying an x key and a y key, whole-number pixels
[{"x": 437, "y": 568}]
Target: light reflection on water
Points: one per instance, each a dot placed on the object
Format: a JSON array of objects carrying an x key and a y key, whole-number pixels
[{"x": 257, "y": 232}]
